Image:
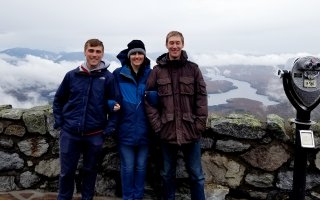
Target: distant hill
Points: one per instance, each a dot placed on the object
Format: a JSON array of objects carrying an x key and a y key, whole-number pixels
[{"x": 56, "y": 57}]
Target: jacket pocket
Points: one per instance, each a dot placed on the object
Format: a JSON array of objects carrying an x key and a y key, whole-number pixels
[
  {"x": 164, "y": 87},
  {"x": 186, "y": 85},
  {"x": 188, "y": 126},
  {"x": 197, "y": 125},
  {"x": 188, "y": 117},
  {"x": 167, "y": 118}
]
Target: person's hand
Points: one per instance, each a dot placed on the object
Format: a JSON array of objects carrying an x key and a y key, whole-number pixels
[{"x": 116, "y": 107}]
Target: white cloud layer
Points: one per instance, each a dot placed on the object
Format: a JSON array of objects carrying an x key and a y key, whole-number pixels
[
  {"x": 236, "y": 58},
  {"x": 32, "y": 75}
]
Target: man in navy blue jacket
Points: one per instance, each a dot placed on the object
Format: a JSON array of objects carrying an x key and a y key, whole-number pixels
[{"x": 81, "y": 106}]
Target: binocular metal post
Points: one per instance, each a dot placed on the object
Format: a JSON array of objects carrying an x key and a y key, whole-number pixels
[{"x": 302, "y": 122}]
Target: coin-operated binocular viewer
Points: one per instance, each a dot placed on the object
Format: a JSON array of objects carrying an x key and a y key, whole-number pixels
[{"x": 302, "y": 87}]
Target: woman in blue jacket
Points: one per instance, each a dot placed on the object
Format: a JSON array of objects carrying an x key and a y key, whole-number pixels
[{"x": 133, "y": 125}]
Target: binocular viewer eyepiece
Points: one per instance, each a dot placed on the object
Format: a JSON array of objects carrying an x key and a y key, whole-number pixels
[{"x": 308, "y": 64}]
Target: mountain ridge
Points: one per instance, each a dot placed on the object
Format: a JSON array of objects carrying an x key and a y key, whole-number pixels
[{"x": 21, "y": 52}]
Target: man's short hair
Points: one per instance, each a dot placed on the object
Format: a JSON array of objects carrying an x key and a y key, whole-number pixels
[
  {"x": 93, "y": 43},
  {"x": 174, "y": 33}
]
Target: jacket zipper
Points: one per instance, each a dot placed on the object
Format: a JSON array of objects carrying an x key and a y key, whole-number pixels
[{"x": 86, "y": 105}]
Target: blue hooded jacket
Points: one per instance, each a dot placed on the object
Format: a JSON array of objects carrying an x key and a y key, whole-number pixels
[
  {"x": 82, "y": 102},
  {"x": 133, "y": 124}
]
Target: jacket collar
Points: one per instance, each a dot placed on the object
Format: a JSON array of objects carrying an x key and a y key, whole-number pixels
[
  {"x": 84, "y": 69},
  {"x": 164, "y": 59}
]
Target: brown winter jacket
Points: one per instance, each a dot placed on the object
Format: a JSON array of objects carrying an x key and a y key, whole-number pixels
[{"x": 182, "y": 110}]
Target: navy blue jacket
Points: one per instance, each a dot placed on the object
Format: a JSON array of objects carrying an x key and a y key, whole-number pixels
[
  {"x": 80, "y": 104},
  {"x": 133, "y": 124}
]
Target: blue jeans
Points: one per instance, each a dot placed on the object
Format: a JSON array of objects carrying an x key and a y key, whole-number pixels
[
  {"x": 133, "y": 170},
  {"x": 192, "y": 158},
  {"x": 71, "y": 147}
]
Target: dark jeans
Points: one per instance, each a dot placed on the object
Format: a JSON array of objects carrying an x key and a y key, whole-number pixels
[
  {"x": 192, "y": 158},
  {"x": 133, "y": 170},
  {"x": 71, "y": 147}
]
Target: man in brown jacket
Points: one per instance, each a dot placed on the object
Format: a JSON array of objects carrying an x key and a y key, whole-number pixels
[{"x": 179, "y": 114}]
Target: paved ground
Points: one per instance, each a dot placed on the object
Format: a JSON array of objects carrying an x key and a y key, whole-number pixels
[{"x": 36, "y": 195}]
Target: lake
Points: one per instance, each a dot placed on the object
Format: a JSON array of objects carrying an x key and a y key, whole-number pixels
[{"x": 244, "y": 91}]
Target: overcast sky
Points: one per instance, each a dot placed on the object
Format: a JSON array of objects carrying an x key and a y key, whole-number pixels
[
  {"x": 210, "y": 26},
  {"x": 217, "y": 32}
]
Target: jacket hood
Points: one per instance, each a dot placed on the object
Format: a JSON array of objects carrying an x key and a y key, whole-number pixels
[
  {"x": 102, "y": 65},
  {"x": 124, "y": 60},
  {"x": 164, "y": 58}
]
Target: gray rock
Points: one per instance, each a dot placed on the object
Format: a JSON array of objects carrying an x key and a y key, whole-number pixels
[
  {"x": 239, "y": 126},
  {"x": 16, "y": 130},
  {"x": 10, "y": 161},
  {"x": 6, "y": 143},
  {"x": 276, "y": 127},
  {"x": 268, "y": 157},
  {"x": 105, "y": 186},
  {"x": 222, "y": 170},
  {"x": 11, "y": 114},
  {"x": 181, "y": 171},
  {"x": 28, "y": 179},
  {"x": 35, "y": 121},
  {"x": 111, "y": 162},
  {"x": 317, "y": 160},
  {"x": 213, "y": 192},
  {"x": 49, "y": 168},
  {"x": 5, "y": 107},
  {"x": 34, "y": 147},
  {"x": 7, "y": 184},
  {"x": 50, "y": 122},
  {"x": 260, "y": 180},
  {"x": 4, "y": 124},
  {"x": 316, "y": 134},
  {"x": 206, "y": 143},
  {"x": 316, "y": 195},
  {"x": 285, "y": 180},
  {"x": 258, "y": 195},
  {"x": 231, "y": 146},
  {"x": 55, "y": 147},
  {"x": 1, "y": 127}
]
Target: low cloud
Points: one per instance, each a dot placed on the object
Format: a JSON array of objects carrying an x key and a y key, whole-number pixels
[
  {"x": 32, "y": 81},
  {"x": 208, "y": 60}
]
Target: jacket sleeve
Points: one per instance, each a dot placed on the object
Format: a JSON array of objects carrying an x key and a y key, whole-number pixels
[
  {"x": 60, "y": 99},
  {"x": 201, "y": 102},
  {"x": 112, "y": 96},
  {"x": 151, "y": 101}
]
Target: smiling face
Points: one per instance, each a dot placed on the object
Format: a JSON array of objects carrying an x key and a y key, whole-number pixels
[
  {"x": 136, "y": 59},
  {"x": 93, "y": 55},
  {"x": 174, "y": 45}
]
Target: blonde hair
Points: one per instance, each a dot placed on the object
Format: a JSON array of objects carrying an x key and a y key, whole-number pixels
[{"x": 174, "y": 33}]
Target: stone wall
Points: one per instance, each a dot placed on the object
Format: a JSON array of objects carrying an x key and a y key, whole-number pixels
[{"x": 242, "y": 157}]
